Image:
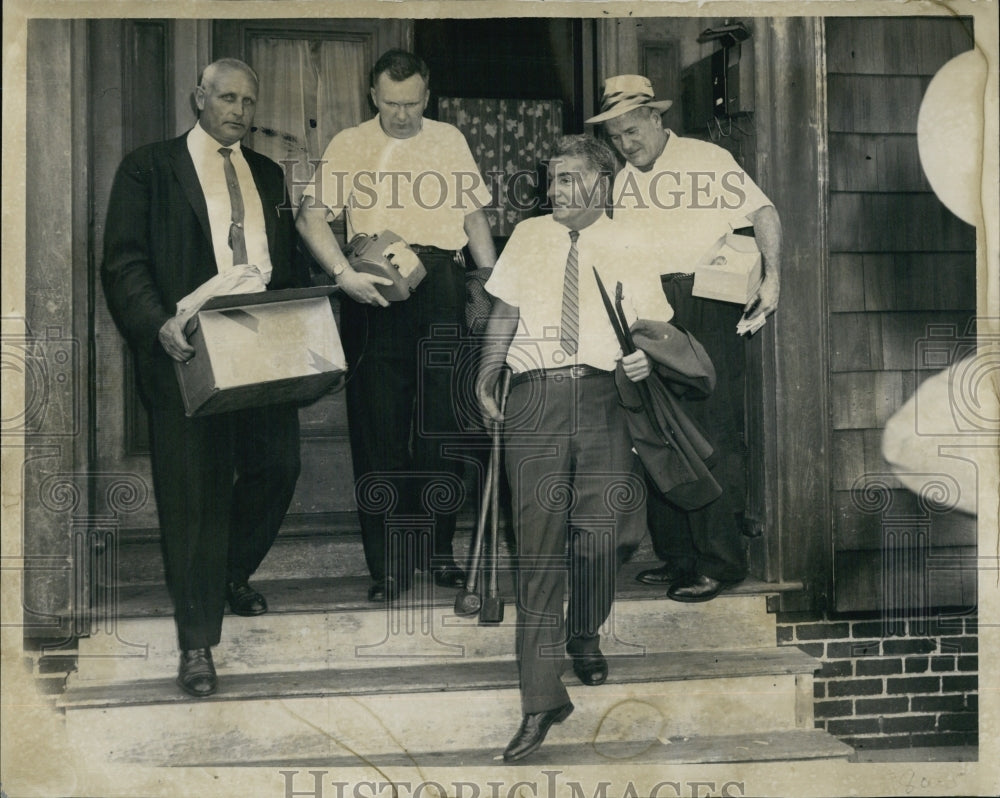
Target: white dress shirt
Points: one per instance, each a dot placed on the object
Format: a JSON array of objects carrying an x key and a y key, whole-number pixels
[
  {"x": 529, "y": 275},
  {"x": 210, "y": 167}
]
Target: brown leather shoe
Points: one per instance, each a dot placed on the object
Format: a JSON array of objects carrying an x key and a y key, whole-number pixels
[
  {"x": 244, "y": 600},
  {"x": 449, "y": 576},
  {"x": 383, "y": 590},
  {"x": 534, "y": 727},
  {"x": 196, "y": 675},
  {"x": 664, "y": 576},
  {"x": 698, "y": 588},
  {"x": 591, "y": 669}
]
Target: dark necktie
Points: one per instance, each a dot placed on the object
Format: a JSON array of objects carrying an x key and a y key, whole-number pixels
[
  {"x": 569, "y": 329},
  {"x": 237, "y": 239}
]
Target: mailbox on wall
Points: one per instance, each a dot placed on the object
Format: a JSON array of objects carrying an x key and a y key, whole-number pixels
[{"x": 719, "y": 86}]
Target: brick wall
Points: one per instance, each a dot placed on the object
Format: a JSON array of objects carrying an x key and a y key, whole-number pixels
[{"x": 905, "y": 683}]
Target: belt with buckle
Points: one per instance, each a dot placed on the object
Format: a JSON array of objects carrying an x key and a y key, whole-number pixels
[
  {"x": 566, "y": 372},
  {"x": 456, "y": 255},
  {"x": 427, "y": 249}
]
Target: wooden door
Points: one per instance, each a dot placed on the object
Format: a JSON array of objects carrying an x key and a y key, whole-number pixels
[
  {"x": 324, "y": 498},
  {"x": 133, "y": 96}
]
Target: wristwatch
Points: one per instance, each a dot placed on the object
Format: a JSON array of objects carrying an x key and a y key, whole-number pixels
[{"x": 339, "y": 269}]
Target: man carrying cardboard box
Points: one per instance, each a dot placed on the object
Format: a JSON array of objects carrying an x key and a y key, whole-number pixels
[
  {"x": 181, "y": 212},
  {"x": 679, "y": 196}
]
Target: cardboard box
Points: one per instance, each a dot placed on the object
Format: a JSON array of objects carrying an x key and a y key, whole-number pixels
[
  {"x": 731, "y": 271},
  {"x": 259, "y": 349}
]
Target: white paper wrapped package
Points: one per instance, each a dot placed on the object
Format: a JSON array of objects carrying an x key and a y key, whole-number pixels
[
  {"x": 731, "y": 271},
  {"x": 260, "y": 349}
]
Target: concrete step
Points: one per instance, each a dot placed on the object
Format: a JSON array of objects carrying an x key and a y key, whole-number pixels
[
  {"x": 440, "y": 708},
  {"x": 330, "y": 624},
  {"x": 482, "y": 765}
]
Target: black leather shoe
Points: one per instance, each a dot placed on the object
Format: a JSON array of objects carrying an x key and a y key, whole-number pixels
[
  {"x": 591, "y": 669},
  {"x": 664, "y": 576},
  {"x": 384, "y": 590},
  {"x": 699, "y": 588},
  {"x": 196, "y": 675},
  {"x": 449, "y": 576},
  {"x": 533, "y": 729},
  {"x": 244, "y": 600}
]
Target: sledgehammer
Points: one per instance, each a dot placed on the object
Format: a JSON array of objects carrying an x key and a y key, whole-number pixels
[
  {"x": 467, "y": 600},
  {"x": 492, "y": 610}
]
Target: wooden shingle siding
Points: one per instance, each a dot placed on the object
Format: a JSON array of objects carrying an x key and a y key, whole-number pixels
[
  {"x": 902, "y": 271},
  {"x": 858, "y": 527},
  {"x": 896, "y": 222},
  {"x": 901, "y": 281},
  {"x": 894, "y": 45},
  {"x": 875, "y": 103},
  {"x": 892, "y": 341},
  {"x": 865, "y": 399},
  {"x": 875, "y": 162}
]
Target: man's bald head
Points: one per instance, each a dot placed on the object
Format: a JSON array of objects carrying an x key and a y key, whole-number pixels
[
  {"x": 227, "y": 100},
  {"x": 210, "y": 74}
]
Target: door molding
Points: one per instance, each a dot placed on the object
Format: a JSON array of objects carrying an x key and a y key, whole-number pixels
[{"x": 792, "y": 169}]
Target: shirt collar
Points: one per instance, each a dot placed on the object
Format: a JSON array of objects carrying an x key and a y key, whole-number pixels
[
  {"x": 660, "y": 159},
  {"x": 200, "y": 140},
  {"x": 594, "y": 227},
  {"x": 377, "y": 121}
]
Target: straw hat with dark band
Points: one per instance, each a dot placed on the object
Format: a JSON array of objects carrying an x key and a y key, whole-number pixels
[{"x": 624, "y": 93}]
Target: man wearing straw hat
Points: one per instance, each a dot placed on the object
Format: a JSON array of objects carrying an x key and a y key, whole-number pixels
[{"x": 676, "y": 197}]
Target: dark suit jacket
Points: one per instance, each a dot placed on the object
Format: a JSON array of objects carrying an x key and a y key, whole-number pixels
[
  {"x": 158, "y": 248},
  {"x": 672, "y": 447}
]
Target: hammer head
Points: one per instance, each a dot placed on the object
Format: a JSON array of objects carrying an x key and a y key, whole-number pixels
[
  {"x": 492, "y": 611},
  {"x": 467, "y": 603}
]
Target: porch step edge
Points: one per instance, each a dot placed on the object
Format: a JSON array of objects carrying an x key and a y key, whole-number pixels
[{"x": 444, "y": 678}]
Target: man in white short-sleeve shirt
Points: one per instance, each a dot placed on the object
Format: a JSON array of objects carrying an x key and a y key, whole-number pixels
[
  {"x": 417, "y": 178},
  {"x": 676, "y": 197},
  {"x": 575, "y": 480}
]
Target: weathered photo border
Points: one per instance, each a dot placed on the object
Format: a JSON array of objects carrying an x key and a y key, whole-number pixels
[{"x": 35, "y": 757}]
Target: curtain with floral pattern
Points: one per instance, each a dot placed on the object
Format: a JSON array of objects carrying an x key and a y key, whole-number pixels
[{"x": 509, "y": 140}]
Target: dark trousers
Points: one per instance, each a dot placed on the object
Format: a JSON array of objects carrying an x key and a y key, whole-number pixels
[
  {"x": 401, "y": 415},
  {"x": 575, "y": 484},
  {"x": 215, "y": 529},
  {"x": 709, "y": 541}
]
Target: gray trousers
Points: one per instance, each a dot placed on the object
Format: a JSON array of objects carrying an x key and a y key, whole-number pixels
[{"x": 576, "y": 486}]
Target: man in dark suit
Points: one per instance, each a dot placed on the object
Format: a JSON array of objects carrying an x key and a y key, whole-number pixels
[{"x": 181, "y": 212}]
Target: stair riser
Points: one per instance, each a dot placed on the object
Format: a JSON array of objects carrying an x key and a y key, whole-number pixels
[
  {"x": 248, "y": 731},
  {"x": 293, "y": 558},
  {"x": 147, "y": 648},
  {"x": 310, "y": 557}
]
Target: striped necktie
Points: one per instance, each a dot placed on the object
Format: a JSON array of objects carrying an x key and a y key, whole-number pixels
[
  {"x": 237, "y": 239},
  {"x": 569, "y": 329}
]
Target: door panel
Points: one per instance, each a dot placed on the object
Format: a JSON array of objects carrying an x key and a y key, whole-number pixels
[{"x": 130, "y": 91}]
